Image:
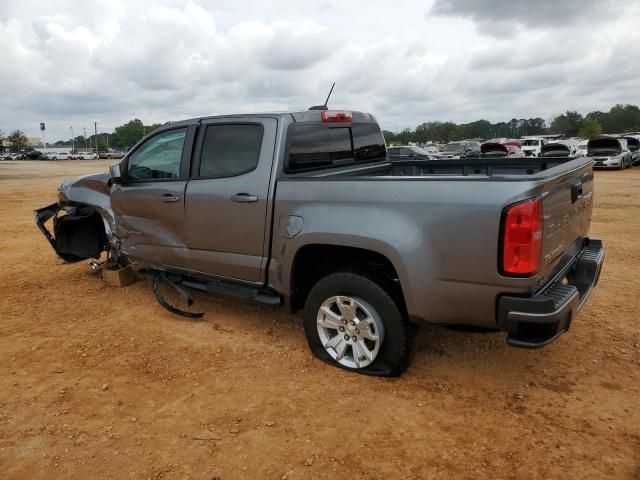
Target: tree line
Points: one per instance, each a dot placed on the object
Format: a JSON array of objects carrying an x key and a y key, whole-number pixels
[
  {"x": 619, "y": 119},
  {"x": 123, "y": 138}
]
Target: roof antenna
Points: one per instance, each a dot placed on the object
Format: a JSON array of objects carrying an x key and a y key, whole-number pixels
[{"x": 324, "y": 107}]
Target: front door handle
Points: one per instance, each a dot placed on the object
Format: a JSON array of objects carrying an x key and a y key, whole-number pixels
[
  {"x": 169, "y": 198},
  {"x": 244, "y": 198}
]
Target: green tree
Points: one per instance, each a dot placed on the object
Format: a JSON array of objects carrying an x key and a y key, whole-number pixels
[
  {"x": 127, "y": 135},
  {"x": 621, "y": 119},
  {"x": 568, "y": 123},
  {"x": 389, "y": 137},
  {"x": 590, "y": 128},
  {"x": 405, "y": 136},
  {"x": 18, "y": 139}
]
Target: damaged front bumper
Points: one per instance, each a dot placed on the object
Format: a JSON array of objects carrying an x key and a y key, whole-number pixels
[
  {"x": 42, "y": 216},
  {"x": 77, "y": 235}
]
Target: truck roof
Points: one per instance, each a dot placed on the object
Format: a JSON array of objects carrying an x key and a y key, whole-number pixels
[{"x": 296, "y": 116}]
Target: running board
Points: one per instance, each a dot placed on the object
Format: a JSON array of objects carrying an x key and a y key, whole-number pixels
[{"x": 260, "y": 295}]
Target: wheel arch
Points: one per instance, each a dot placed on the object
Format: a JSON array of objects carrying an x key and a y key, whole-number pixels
[{"x": 314, "y": 261}]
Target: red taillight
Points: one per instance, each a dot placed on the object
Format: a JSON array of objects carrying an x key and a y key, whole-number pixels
[
  {"x": 522, "y": 238},
  {"x": 333, "y": 116}
]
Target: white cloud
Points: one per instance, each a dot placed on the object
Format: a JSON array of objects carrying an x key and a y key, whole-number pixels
[{"x": 70, "y": 63}]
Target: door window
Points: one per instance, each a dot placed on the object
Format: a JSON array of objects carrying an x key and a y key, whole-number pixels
[
  {"x": 230, "y": 150},
  {"x": 158, "y": 158}
]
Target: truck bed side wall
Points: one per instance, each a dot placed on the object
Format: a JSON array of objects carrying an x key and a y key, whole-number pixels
[{"x": 441, "y": 235}]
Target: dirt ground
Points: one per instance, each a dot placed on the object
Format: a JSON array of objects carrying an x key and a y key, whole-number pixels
[{"x": 101, "y": 382}]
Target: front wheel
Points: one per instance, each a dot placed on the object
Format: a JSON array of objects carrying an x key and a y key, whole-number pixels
[{"x": 353, "y": 323}]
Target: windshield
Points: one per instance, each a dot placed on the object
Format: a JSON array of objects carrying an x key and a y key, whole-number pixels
[
  {"x": 530, "y": 143},
  {"x": 454, "y": 148}
]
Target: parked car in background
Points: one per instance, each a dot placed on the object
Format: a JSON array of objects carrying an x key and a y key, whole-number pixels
[
  {"x": 12, "y": 156},
  {"x": 574, "y": 146},
  {"x": 609, "y": 152},
  {"x": 489, "y": 150},
  {"x": 86, "y": 156},
  {"x": 462, "y": 149},
  {"x": 556, "y": 149},
  {"x": 408, "y": 152},
  {"x": 58, "y": 156},
  {"x": 35, "y": 155},
  {"x": 582, "y": 147},
  {"x": 532, "y": 147},
  {"x": 432, "y": 150},
  {"x": 633, "y": 144},
  {"x": 111, "y": 154},
  {"x": 303, "y": 209}
]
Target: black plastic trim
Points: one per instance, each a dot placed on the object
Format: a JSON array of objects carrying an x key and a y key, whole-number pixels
[{"x": 536, "y": 321}]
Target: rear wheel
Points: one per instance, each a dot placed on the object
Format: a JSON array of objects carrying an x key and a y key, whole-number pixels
[{"x": 351, "y": 322}]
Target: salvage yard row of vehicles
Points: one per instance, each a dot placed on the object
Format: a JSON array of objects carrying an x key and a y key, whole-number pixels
[
  {"x": 60, "y": 155},
  {"x": 305, "y": 210},
  {"x": 607, "y": 151}
]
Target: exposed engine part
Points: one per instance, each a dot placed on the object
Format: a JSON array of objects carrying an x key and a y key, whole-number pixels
[{"x": 95, "y": 266}]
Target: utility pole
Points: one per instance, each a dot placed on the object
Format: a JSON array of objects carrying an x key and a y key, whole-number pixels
[
  {"x": 106, "y": 135},
  {"x": 84, "y": 129},
  {"x": 95, "y": 131},
  {"x": 73, "y": 141}
]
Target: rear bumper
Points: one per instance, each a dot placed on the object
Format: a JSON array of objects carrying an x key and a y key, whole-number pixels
[{"x": 536, "y": 321}]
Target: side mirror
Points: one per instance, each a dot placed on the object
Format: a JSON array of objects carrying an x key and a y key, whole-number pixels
[{"x": 114, "y": 171}]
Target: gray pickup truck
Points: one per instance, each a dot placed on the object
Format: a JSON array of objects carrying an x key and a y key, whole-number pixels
[{"x": 305, "y": 209}]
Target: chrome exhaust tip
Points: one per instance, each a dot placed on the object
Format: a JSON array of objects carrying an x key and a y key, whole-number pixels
[{"x": 95, "y": 267}]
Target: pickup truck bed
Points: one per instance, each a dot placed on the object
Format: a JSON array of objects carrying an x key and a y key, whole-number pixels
[{"x": 446, "y": 217}]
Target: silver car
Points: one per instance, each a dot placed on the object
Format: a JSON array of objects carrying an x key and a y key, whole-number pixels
[{"x": 609, "y": 152}]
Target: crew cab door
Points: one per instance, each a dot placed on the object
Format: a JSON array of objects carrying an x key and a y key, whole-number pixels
[
  {"x": 148, "y": 202},
  {"x": 227, "y": 197}
]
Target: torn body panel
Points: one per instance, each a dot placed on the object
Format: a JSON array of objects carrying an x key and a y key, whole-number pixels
[{"x": 85, "y": 229}]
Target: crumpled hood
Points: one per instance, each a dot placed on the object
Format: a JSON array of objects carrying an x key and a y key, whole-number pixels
[
  {"x": 93, "y": 190},
  {"x": 97, "y": 181}
]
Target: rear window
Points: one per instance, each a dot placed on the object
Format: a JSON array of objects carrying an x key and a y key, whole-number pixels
[
  {"x": 230, "y": 150},
  {"x": 318, "y": 145}
]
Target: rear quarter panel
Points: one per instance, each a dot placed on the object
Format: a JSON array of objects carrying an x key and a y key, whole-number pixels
[{"x": 441, "y": 235}]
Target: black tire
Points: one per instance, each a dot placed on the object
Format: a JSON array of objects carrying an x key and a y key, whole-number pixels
[{"x": 396, "y": 349}]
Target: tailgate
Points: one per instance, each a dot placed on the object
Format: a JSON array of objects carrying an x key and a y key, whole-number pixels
[{"x": 567, "y": 201}]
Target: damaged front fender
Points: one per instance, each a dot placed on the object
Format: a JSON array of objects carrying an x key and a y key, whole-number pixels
[{"x": 83, "y": 221}]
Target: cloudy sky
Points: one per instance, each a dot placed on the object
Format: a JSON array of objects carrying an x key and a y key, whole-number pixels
[{"x": 73, "y": 62}]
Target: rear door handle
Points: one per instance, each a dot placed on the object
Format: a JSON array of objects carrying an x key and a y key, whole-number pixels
[
  {"x": 169, "y": 198},
  {"x": 244, "y": 198}
]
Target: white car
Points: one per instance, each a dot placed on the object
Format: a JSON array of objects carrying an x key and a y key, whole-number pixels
[
  {"x": 86, "y": 156},
  {"x": 532, "y": 147},
  {"x": 57, "y": 156}
]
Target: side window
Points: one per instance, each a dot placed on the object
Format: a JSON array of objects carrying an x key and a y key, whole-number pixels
[
  {"x": 230, "y": 150},
  {"x": 393, "y": 151},
  {"x": 405, "y": 151},
  {"x": 158, "y": 158}
]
